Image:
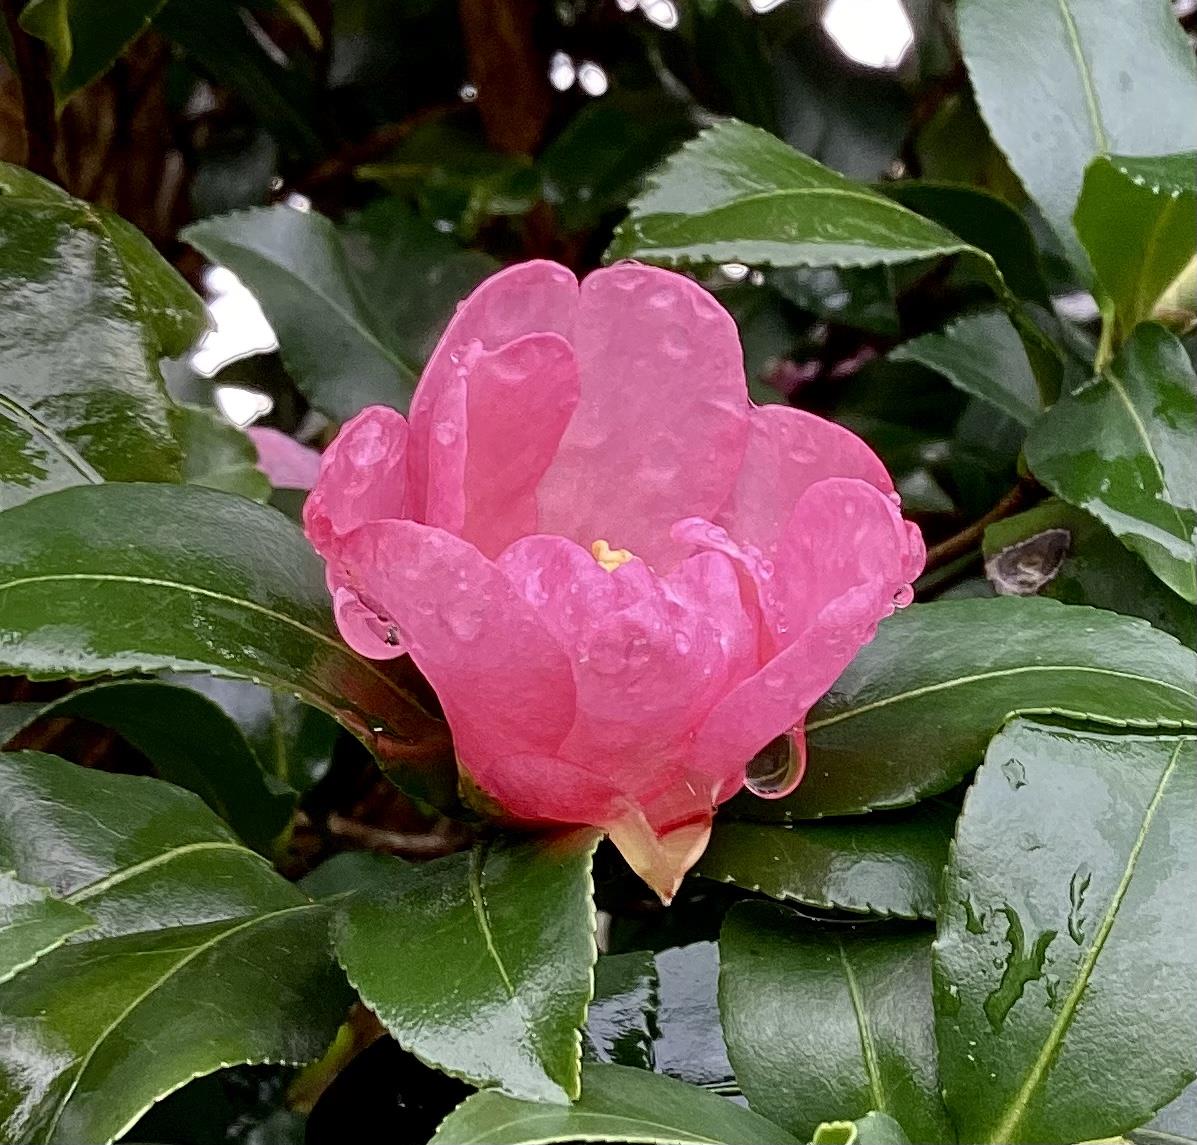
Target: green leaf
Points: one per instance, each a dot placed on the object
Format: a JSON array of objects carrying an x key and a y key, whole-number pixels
[
  {"x": 89, "y": 309},
  {"x": 1063, "y": 1007},
  {"x": 982, "y": 355},
  {"x": 33, "y": 458},
  {"x": 213, "y": 759},
  {"x": 201, "y": 956},
  {"x": 738, "y": 194},
  {"x": 871, "y": 1129},
  {"x": 1136, "y": 219},
  {"x": 511, "y": 925},
  {"x": 911, "y": 715},
  {"x": 218, "y": 455},
  {"x": 101, "y": 579},
  {"x": 1059, "y": 83},
  {"x": 293, "y": 740},
  {"x": 296, "y": 266},
  {"x": 689, "y": 1045},
  {"x": 32, "y": 924},
  {"x": 828, "y": 1025},
  {"x": 86, "y": 36},
  {"x": 410, "y": 275},
  {"x": 885, "y": 864},
  {"x": 1121, "y": 448},
  {"x": 1064, "y": 553},
  {"x": 618, "y": 1103},
  {"x": 984, "y": 220},
  {"x": 622, "y": 1013},
  {"x": 282, "y": 97}
]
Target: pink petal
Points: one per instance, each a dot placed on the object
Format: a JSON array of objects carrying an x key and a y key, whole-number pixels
[
  {"x": 495, "y": 430},
  {"x": 650, "y": 655},
  {"x": 660, "y": 859},
  {"x": 286, "y": 463},
  {"x": 660, "y": 428},
  {"x": 363, "y": 477},
  {"x": 502, "y": 679},
  {"x": 528, "y": 298},
  {"x": 848, "y": 555},
  {"x": 788, "y": 451}
]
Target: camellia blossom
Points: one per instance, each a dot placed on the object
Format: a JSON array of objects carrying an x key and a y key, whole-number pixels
[{"x": 622, "y": 578}]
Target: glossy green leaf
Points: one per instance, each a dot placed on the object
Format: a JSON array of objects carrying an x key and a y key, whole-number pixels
[
  {"x": 984, "y": 220},
  {"x": 983, "y": 355},
  {"x": 911, "y": 715},
  {"x": 212, "y": 758},
  {"x": 618, "y": 1103},
  {"x": 883, "y": 864},
  {"x": 34, "y": 459},
  {"x": 292, "y": 740},
  {"x": 689, "y": 1045},
  {"x": 1138, "y": 221},
  {"x": 86, "y": 36},
  {"x": 32, "y": 923},
  {"x": 871, "y": 1129},
  {"x": 225, "y": 46},
  {"x": 1059, "y": 83},
  {"x": 101, "y": 579},
  {"x": 828, "y": 1025},
  {"x": 296, "y": 266},
  {"x": 89, "y": 309},
  {"x": 739, "y": 194},
  {"x": 218, "y": 455},
  {"x": 1057, "y": 551},
  {"x": 622, "y": 1013},
  {"x": 1064, "y": 1006},
  {"x": 511, "y": 925},
  {"x": 411, "y": 276},
  {"x": 659, "y": 1012},
  {"x": 201, "y": 955},
  {"x": 1121, "y": 448}
]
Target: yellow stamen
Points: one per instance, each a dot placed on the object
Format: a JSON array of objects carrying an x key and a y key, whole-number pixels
[{"x": 610, "y": 558}]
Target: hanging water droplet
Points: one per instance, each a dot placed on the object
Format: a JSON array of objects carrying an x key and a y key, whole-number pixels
[
  {"x": 392, "y": 636},
  {"x": 778, "y": 767},
  {"x": 904, "y": 596}
]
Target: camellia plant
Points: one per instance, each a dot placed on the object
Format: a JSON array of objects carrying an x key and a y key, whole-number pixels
[{"x": 692, "y": 646}]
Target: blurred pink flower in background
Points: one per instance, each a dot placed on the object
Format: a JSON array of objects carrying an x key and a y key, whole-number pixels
[{"x": 622, "y": 578}]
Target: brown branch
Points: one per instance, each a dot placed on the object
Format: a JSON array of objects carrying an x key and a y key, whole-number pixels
[
  {"x": 510, "y": 71},
  {"x": 32, "y": 61},
  {"x": 968, "y": 539}
]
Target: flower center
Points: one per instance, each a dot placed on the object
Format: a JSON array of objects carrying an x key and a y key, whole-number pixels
[{"x": 610, "y": 558}]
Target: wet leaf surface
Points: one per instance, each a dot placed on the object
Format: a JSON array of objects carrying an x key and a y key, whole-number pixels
[
  {"x": 200, "y": 956},
  {"x": 830, "y": 1025},
  {"x": 1052, "y": 957}
]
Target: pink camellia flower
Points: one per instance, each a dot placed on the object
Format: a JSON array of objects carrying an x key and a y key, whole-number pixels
[{"x": 622, "y": 578}]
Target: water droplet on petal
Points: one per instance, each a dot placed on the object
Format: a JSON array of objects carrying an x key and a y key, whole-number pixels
[
  {"x": 904, "y": 596},
  {"x": 392, "y": 636},
  {"x": 778, "y": 767},
  {"x": 464, "y": 617},
  {"x": 681, "y": 642},
  {"x": 445, "y": 432}
]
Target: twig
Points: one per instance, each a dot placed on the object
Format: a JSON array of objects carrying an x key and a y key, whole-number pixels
[
  {"x": 967, "y": 539},
  {"x": 37, "y": 94}
]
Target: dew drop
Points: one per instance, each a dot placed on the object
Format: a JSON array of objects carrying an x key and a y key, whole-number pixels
[
  {"x": 681, "y": 642},
  {"x": 778, "y": 767},
  {"x": 904, "y": 596},
  {"x": 392, "y": 636},
  {"x": 445, "y": 432},
  {"x": 463, "y": 617}
]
